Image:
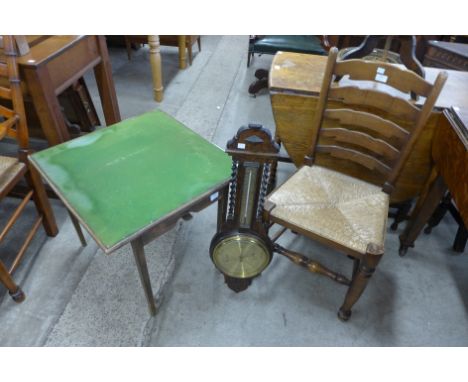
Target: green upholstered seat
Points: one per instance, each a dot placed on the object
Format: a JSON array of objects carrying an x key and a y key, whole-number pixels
[{"x": 297, "y": 44}]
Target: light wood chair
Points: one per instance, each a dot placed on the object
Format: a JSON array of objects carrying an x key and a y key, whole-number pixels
[
  {"x": 13, "y": 170},
  {"x": 336, "y": 209}
]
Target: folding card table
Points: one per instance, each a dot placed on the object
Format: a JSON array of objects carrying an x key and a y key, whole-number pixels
[{"x": 131, "y": 182}]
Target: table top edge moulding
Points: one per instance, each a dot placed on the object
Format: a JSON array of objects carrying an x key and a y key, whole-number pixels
[{"x": 119, "y": 191}]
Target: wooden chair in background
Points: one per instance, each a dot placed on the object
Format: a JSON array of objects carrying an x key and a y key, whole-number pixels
[
  {"x": 338, "y": 210},
  {"x": 13, "y": 170}
]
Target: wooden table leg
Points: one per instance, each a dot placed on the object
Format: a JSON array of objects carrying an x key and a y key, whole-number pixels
[
  {"x": 77, "y": 226},
  {"x": 422, "y": 214},
  {"x": 140, "y": 259},
  {"x": 47, "y": 105},
  {"x": 182, "y": 54},
  {"x": 105, "y": 84},
  {"x": 155, "y": 60}
]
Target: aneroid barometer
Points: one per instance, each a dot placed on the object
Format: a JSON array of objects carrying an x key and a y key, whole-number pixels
[{"x": 241, "y": 249}]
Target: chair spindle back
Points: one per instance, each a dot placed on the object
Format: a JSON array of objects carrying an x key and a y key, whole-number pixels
[{"x": 14, "y": 123}]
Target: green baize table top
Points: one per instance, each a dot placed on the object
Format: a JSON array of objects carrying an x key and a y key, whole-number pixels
[{"x": 124, "y": 178}]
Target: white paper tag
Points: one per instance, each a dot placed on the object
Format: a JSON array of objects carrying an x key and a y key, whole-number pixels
[
  {"x": 381, "y": 78},
  {"x": 214, "y": 196},
  {"x": 241, "y": 145},
  {"x": 380, "y": 70}
]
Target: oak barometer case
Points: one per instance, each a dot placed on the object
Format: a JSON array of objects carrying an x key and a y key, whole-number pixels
[{"x": 241, "y": 249}]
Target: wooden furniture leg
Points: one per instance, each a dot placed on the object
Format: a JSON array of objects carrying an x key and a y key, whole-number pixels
[
  {"x": 128, "y": 47},
  {"x": 105, "y": 84},
  {"x": 260, "y": 83},
  {"x": 190, "y": 50},
  {"x": 190, "y": 54},
  {"x": 446, "y": 205},
  {"x": 41, "y": 201},
  {"x": 420, "y": 216},
  {"x": 439, "y": 213},
  {"x": 15, "y": 291},
  {"x": 402, "y": 213},
  {"x": 155, "y": 60},
  {"x": 140, "y": 259},
  {"x": 77, "y": 226},
  {"x": 182, "y": 54},
  {"x": 47, "y": 105},
  {"x": 359, "y": 282}
]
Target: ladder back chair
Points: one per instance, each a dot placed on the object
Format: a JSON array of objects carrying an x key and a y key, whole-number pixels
[
  {"x": 336, "y": 209},
  {"x": 14, "y": 170}
]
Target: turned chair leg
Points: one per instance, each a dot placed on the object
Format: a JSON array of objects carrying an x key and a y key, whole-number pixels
[
  {"x": 439, "y": 213},
  {"x": 359, "y": 282},
  {"x": 14, "y": 290}
]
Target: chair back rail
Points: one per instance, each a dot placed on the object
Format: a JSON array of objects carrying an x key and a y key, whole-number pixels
[
  {"x": 384, "y": 145},
  {"x": 372, "y": 122},
  {"x": 398, "y": 107},
  {"x": 5, "y": 93},
  {"x": 404, "y": 80},
  {"x": 377, "y": 146},
  {"x": 15, "y": 125},
  {"x": 6, "y": 112},
  {"x": 365, "y": 160},
  {"x": 6, "y": 127}
]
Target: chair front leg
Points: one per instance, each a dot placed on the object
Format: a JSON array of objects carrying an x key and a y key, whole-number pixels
[
  {"x": 359, "y": 282},
  {"x": 15, "y": 291}
]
